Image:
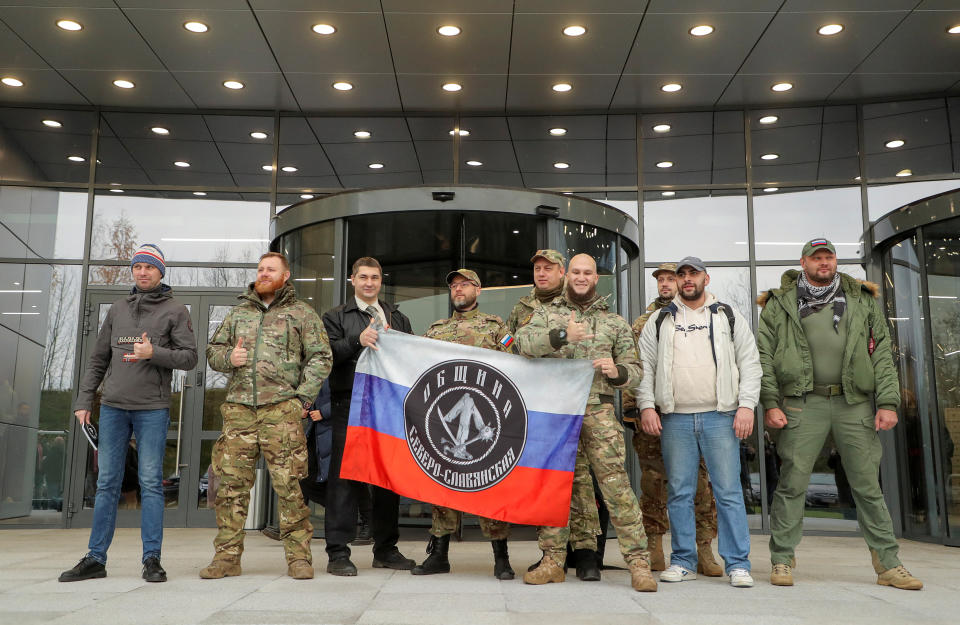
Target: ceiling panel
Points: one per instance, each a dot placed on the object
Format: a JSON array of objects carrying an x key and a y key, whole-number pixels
[
  {"x": 858, "y": 86},
  {"x": 138, "y": 126},
  {"x": 578, "y": 6},
  {"x": 455, "y": 6},
  {"x": 16, "y": 54},
  {"x": 710, "y": 6},
  {"x": 636, "y": 91},
  {"x": 540, "y": 47},
  {"x": 482, "y": 47},
  {"x": 341, "y": 129},
  {"x": 40, "y": 85},
  {"x": 622, "y": 157},
  {"x": 496, "y": 178},
  {"x": 310, "y": 160},
  {"x": 577, "y": 126},
  {"x": 237, "y": 128},
  {"x": 371, "y": 92},
  {"x": 423, "y": 92},
  {"x": 353, "y": 159},
  {"x": 531, "y": 92},
  {"x": 495, "y": 155},
  {"x": 584, "y": 156},
  {"x": 936, "y": 53},
  {"x": 389, "y": 179},
  {"x": 260, "y": 91},
  {"x": 755, "y": 89},
  {"x": 74, "y": 122},
  {"x": 153, "y": 89},
  {"x": 562, "y": 181},
  {"x": 800, "y": 6}
]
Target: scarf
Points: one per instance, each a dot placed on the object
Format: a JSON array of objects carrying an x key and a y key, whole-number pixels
[
  {"x": 547, "y": 295},
  {"x": 811, "y": 299}
]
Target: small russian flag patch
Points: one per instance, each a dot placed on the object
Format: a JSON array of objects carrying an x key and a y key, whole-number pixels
[
  {"x": 818, "y": 242},
  {"x": 507, "y": 340}
]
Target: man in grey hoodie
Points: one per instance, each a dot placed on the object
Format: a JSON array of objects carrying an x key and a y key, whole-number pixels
[{"x": 144, "y": 337}]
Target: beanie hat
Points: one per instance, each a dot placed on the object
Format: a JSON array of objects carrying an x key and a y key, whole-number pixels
[{"x": 150, "y": 254}]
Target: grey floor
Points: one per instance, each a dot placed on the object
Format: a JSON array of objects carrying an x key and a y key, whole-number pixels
[{"x": 835, "y": 584}]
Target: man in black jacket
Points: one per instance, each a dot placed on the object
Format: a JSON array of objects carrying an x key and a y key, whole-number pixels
[{"x": 352, "y": 327}]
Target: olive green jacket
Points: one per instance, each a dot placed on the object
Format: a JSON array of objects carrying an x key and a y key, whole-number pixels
[{"x": 785, "y": 353}]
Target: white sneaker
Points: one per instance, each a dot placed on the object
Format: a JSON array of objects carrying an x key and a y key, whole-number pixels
[
  {"x": 740, "y": 578},
  {"x": 676, "y": 573}
]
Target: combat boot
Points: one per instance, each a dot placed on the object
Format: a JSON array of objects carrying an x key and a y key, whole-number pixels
[
  {"x": 437, "y": 561},
  {"x": 221, "y": 567},
  {"x": 300, "y": 569},
  {"x": 548, "y": 571},
  {"x": 655, "y": 545},
  {"x": 706, "y": 564},
  {"x": 586, "y": 563},
  {"x": 898, "y": 576},
  {"x": 781, "y": 575},
  {"x": 641, "y": 578},
  {"x": 501, "y": 560}
]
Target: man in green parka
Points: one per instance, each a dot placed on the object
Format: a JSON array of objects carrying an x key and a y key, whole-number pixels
[{"x": 825, "y": 351}]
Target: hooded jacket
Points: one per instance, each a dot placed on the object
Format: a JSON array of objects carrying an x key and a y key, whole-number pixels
[
  {"x": 785, "y": 353},
  {"x": 130, "y": 384}
]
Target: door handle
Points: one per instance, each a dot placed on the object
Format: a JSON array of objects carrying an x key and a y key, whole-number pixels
[{"x": 183, "y": 391}]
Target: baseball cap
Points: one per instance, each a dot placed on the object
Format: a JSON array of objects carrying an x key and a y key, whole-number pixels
[
  {"x": 552, "y": 256},
  {"x": 810, "y": 247},
  {"x": 466, "y": 273},
  {"x": 663, "y": 267},
  {"x": 691, "y": 261}
]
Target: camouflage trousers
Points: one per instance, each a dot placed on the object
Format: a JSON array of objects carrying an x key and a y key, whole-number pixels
[
  {"x": 584, "y": 520},
  {"x": 602, "y": 448},
  {"x": 447, "y": 521},
  {"x": 653, "y": 484},
  {"x": 275, "y": 431}
]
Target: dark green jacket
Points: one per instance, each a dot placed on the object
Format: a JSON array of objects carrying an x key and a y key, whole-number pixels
[{"x": 785, "y": 353}]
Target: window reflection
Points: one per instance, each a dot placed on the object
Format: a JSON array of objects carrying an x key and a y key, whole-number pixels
[
  {"x": 922, "y": 127},
  {"x": 711, "y": 225}
]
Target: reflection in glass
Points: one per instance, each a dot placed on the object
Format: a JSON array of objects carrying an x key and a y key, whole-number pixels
[
  {"x": 40, "y": 152},
  {"x": 711, "y": 226},
  {"x": 923, "y": 127},
  {"x": 785, "y": 220},
  {"x": 810, "y": 143},
  {"x": 602, "y": 247},
  {"x": 498, "y": 246}
]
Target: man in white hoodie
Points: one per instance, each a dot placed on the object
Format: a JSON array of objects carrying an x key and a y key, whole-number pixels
[{"x": 702, "y": 368}]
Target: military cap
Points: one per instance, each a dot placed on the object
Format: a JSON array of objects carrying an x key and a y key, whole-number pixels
[
  {"x": 552, "y": 256},
  {"x": 466, "y": 273},
  {"x": 812, "y": 246},
  {"x": 692, "y": 261},
  {"x": 662, "y": 267}
]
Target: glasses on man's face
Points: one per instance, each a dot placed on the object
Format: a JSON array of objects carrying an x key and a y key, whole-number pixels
[{"x": 456, "y": 286}]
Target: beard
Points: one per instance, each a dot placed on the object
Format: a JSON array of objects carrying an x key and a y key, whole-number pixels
[
  {"x": 584, "y": 299},
  {"x": 464, "y": 304},
  {"x": 816, "y": 280},
  {"x": 268, "y": 287},
  {"x": 697, "y": 292}
]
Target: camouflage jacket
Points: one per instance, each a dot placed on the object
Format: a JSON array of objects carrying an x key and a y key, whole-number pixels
[
  {"x": 288, "y": 353},
  {"x": 472, "y": 328},
  {"x": 629, "y": 400},
  {"x": 522, "y": 310},
  {"x": 612, "y": 339}
]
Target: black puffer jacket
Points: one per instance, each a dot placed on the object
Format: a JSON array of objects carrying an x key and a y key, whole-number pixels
[{"x": 344, "y": 325}]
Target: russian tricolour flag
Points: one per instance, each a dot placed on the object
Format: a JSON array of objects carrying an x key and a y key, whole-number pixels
[{"x": 472, "y": 429}]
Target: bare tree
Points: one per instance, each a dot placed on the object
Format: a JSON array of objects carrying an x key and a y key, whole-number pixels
[
  {"x": 118, "y": 241},
  {"x": 58, "y": 353}
]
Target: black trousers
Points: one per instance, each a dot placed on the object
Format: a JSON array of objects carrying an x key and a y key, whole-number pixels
[{"x": 340, "y": 518}]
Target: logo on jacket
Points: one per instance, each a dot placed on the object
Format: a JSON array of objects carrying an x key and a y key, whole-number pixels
[{"x": 466, "y": 424}]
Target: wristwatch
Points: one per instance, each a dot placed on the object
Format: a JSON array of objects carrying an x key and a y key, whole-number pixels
[
  {"x": 307, "y": 404},
  {"x": 562, "y": 335}
]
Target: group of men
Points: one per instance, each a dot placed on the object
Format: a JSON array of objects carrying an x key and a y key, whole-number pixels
[{"x": 690, "y": 371}]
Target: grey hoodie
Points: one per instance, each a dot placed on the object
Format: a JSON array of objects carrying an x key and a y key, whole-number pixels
[{"x": 145, "y": 384}]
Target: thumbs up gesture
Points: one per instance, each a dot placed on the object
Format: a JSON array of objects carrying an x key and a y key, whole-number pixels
[
  {"x": 143, "y": 350},
  {"x": 238, "y": 357},
  {"x": 577, "y": 332},
  {"x": 368, "y": 338}
]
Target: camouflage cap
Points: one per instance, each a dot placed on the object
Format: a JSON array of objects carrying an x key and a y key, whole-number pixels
[
  {"x": 663, "y": 267},
  {"x": 552, "y": 256},
  {"x": 465, "y": 273},
  {"x": 813, "y": 245}
]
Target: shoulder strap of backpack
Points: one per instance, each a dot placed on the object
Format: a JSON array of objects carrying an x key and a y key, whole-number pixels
[{"x": 661, "y": 315}]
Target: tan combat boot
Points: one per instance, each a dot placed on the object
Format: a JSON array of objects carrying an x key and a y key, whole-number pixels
[
  {"x": 548, "y": 571},
  {"x": 706, "y": 563},
  {"x": 220, "y": 567},
  {"x": 781, "y": 575},
  {"x": 300, "y": 569},
  {"x": 640, "y": 577},
  {"x": 655, "y": 546},
  {"x": 899, "y": 577}
]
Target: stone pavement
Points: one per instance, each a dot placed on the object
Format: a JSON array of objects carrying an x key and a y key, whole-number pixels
[{"x": 835, "y": 584}]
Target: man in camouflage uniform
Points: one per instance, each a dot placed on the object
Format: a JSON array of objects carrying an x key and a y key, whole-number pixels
[
  {"x": 653, "y": 481},
  {"x": 548, "y": 276},
  {"x": 467, "y": 326},
  {"x": 275, "y": 349},
  {"x": 579, "y": 324}
]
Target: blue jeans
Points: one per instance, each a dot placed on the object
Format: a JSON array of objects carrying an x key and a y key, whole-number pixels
[
  {"x": 150, "y": 428},
  {"x": 683, "y": 439}
]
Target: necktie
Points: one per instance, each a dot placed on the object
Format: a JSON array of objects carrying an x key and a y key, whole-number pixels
[{"x": 377, "y": 320}]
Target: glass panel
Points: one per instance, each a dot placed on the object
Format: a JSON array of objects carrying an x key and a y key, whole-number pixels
[
  {"x": 888, "y": 197},
  {"x": 207, "y": 492},
  {"x": 42, "y": 223},
  {"x": 37, "y": 144},
  {"x": 311, "y": 250},
  {"x": 907, "y": 138},
  {"x": 599, "y": 244},
  {"x": 214, "y": 382},
  {"x": 785, "y": 220},
  {"x": 711, "y": 225},
  {"x": 809, "y": 143},
  {"x": 693, "y": 148},
  {"x": 224, "y": 276}
]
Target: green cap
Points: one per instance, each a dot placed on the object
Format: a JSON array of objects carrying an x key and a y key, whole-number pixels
[
  {"x": 552, "y": 256},
  {"x": 662, "y": 267},
  {"x": 811, "y": 247},
  {"x": 466, "y": 273}
]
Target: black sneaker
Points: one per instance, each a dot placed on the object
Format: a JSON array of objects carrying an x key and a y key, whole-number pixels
[
  {"x": 393, "y": 560},
  {"x": 342, "y": 566},
  {"x": 87, "y": 568},
  {"x": 153, "y": 572}
]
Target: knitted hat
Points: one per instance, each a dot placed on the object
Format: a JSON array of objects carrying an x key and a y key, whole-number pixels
[{"x": 150, "y": 254}]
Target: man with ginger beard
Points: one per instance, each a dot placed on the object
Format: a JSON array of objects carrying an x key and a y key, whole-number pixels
[
  {"x": 579, "y": 324},
  {"x": 276, "y": 351}
]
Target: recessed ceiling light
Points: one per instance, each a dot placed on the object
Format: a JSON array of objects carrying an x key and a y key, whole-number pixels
[
  {"x": 830, "y": 29},
  {"x": 199, "y": 193},
  {"x": 69, "y": 25},
  {"x": 771, "y": 189},
  {"x": 769, "y": 157},
  {"x": 558, "y": 132},
  {"x": 181, "y": 163},
  {"x": 452, "y": 86},
  {"x": 449, "y": 30},
  {"x": 474, "y": 163},
  {"x": 574, "y": 31},
  {"x": 661, "y": 128},
  {"x": 196, "y": 27},
  {"x": 10, "y": 81},
  {"x": 257, "y": 134},
  {"x": 670, "y": 87},
  {"x": 782, "y": 86},
  {"x": 76, "y": 159},
  {"x": 668, "y": 193},
  {"x": 266, "y": 167},
  {"x": 904, "y": 172},
  {"x": 375, "y": 165},
  {"x": 562, "y": 87},
  {"x": 323, "y": 29},
  {"x": 665, "y": 164},
  {"x": 895, "y": 143},
  {"x": 954, "y": 30},
  {"x": 463, "y": 133},
  {"x": 123, "y": 84},
  {"x": 160, "y": 130},
  {"x": 561, "y": 165},
  {"x": 233, "y": 84},
  {"x": 342, "y": 86},
  {"x": 769, "y": 119},
  {"x": 116, "y": 190},
  {"x": 306, "y": 196},
  {"x": 52, "y": 123},
  {"x": 700, "y": 31},
  {"x": 362, "y": 134},
  {"x": 288, "y": 168}
]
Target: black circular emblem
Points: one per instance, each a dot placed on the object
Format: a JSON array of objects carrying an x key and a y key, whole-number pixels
[{"x": 466, "y": 424}]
